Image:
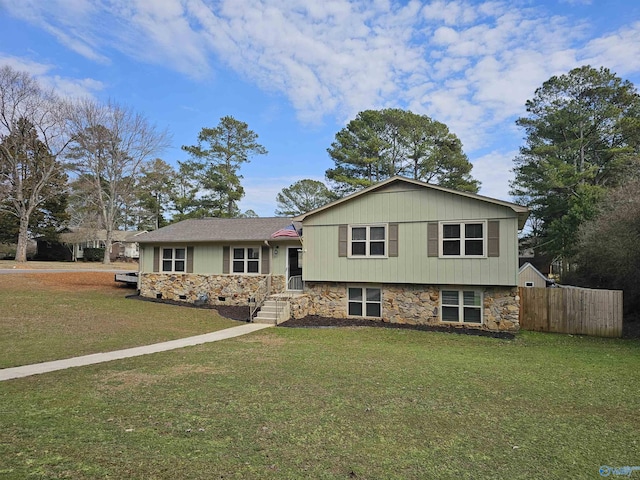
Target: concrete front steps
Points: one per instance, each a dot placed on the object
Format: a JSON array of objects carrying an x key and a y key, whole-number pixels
[
  {"x": 276, "y": 309},
  {"x": 273, "y": 312}
]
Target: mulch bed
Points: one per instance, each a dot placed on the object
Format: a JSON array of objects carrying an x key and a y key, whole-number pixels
[
  {"x": 325, "y": 322},
  {"x": 227, "y": 311},
  {"x": 314, "y": 321},
  {"x": 240, "y": 313}
]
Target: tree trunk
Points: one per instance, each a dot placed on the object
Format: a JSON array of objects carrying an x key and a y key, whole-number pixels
[
  {"x": 107, "y": 247},
  {"x": 23, "y": 239}
]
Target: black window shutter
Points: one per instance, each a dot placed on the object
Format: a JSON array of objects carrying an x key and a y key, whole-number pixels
[
  {"x": 393, "y": 239},
  {"x": 342, "y": 240},
  {"x": 189, "y": 259},
  {"x": 493, "y": 237},
  {"x": 226, "y": 254},
  {"x": 266, "y": 257},
  {"x": 432, "y": 239}
]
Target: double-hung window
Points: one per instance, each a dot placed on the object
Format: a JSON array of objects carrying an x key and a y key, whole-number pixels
[
  {"x": 246, "y": 259},
  {"x": 461, "y": 306},
  {"x": 464, "y": 239},
  {"x": 174, "y": 259},
  {"x": 368, "y": 241},
  {"x": 365, "y": 302}
]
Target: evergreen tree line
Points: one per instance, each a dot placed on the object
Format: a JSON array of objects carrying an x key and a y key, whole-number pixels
[{"x": 579, "y": 173}]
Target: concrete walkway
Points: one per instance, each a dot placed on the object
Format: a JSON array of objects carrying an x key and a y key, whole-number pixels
[{"x": 37, "y": 368}]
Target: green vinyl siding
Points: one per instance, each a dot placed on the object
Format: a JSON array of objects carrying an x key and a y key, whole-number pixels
[
  {"x": 412, "y": 208},
  {"x": 208, "y": 258},
  {"x": 279, "y": 261},
  {"x": 146, "y": 258}
]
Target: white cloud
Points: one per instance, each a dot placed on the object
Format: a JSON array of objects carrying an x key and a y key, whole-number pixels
[
  {"x": 618, "y": 51},
  {"x": 470, "y": 65},
  {"x": 576, "y": 2},
  {"x": 494, "y": 171},
  {"x": 451, "y": 13},
  {"x": 71, "y": 22},
  {"x": 25, "y": 65},
  {"x": 74, "y": 87},
  {"x": 445, "y": 36},
  {"x": 63, "y": 86}
]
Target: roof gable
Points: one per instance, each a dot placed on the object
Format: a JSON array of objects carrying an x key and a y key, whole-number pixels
[
  {"x": 534, "y": 269},
  {"x": 394, "y": 183}
]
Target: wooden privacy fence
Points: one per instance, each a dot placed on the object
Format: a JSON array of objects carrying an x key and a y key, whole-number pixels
[{"x": 580, "y": 311}]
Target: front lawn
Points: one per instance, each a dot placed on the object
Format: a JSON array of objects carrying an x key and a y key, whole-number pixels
[
  {"x": 51, "y": 316},
  {"x": 364, "y": 403}
]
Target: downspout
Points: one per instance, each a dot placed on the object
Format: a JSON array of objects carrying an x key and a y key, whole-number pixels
[
  {"x": 266, "y": 242},
  {"x": 140, "y": 263}
]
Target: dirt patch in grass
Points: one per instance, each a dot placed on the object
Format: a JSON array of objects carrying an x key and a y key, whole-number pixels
[
  {"x": 41, "y": 265},
  {"x": 190, "y": 369},
  {"x": 63, "y": 281},
  {"x": 117, "y": 381},
  {"x": 70, "y": 281},
  {"x": 264, "y": 340},
  {"x": 127, "y": 380}
]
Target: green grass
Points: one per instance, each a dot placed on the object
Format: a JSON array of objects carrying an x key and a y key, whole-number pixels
[
  {"x": 362, "y": 403},
  {"x": 49, "y": 317}
]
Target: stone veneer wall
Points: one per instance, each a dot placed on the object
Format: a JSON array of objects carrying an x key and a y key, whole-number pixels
[
  {"x": 189, "y": 287},
  {"x": 410, "y": 304}
]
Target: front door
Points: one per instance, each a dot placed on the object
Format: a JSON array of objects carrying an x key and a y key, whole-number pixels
[{"x": 294, "y": 268}]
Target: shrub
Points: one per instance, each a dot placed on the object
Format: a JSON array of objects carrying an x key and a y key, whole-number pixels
[{"x": 93, "y": 254}]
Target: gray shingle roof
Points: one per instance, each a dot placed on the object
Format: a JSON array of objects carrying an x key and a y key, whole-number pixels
[{"x": 217, "y": 230}]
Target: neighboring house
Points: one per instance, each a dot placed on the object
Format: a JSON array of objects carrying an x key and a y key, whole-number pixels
[
  {"x": 123, "y": 247},
  {"x": 528, "y": 254},
  {"x": 400, "y": 251},
  {"x": 52, "y": 251},
  {"x": 530, "y": 276}
]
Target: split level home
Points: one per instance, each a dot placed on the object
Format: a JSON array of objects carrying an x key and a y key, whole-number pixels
[{"x": 400, "y": 251}]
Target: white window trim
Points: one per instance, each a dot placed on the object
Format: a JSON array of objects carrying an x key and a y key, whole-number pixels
[
  {"x": 529, "y": 284},
  {"x": 368, "y": 240},
  {"x": 364, "y": 300},
  {"x": 461, "y": 305},
  {"x": 245, "y": 259},
  {"x": 441, "y": 238},
  {"x": 173, "y": 259}
]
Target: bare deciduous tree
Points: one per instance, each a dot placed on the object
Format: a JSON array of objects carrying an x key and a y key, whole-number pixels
[
  {"x": 32, "y": 136},
  {"x": 110, "y": 143}
]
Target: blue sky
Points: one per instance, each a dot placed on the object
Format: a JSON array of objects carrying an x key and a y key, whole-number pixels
[{"x": 298, "y": 70}]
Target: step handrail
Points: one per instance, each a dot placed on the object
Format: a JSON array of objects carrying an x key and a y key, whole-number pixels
[
  {"x": 295, "y": 283},
  {"x": 259, "y": 297}
]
